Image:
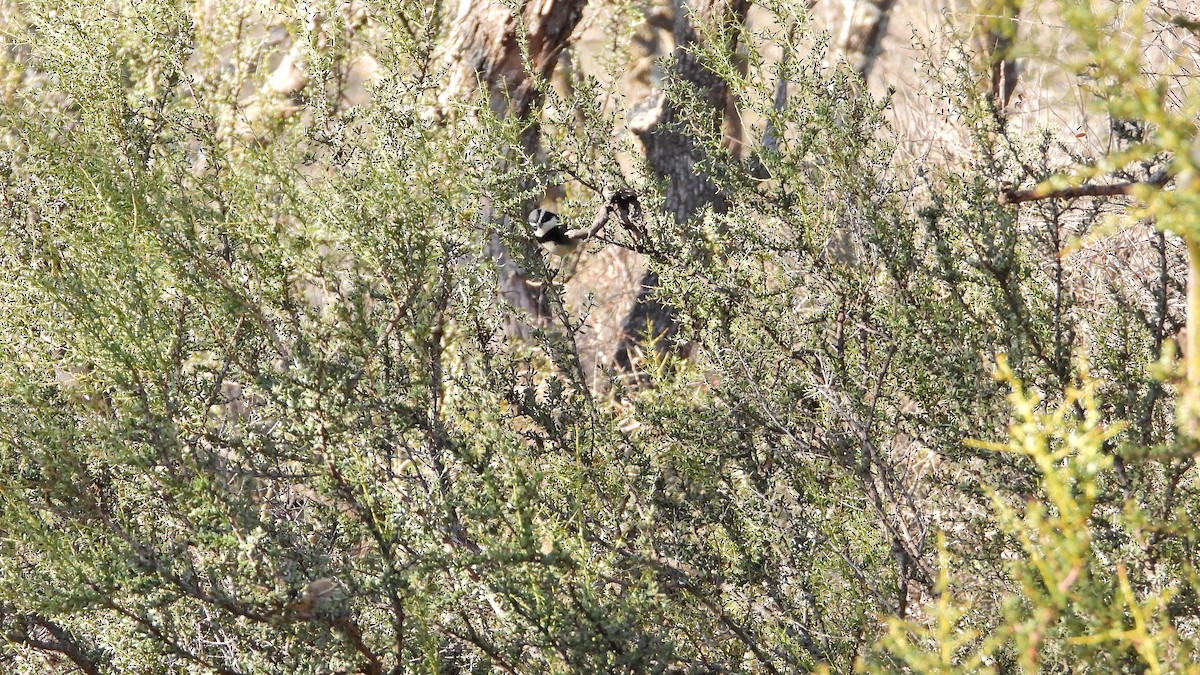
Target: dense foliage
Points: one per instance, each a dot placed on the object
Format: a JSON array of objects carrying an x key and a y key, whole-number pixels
[{"x": 262, "y": 409}]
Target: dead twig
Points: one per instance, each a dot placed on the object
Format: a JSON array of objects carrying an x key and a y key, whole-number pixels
[{"x": 1011, "y": 196}]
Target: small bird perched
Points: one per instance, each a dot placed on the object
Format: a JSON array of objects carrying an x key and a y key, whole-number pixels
[{"x": 553, "y": 235}]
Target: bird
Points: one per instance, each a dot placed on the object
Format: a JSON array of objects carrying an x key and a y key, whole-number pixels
[{"x": 552, "y": 235}]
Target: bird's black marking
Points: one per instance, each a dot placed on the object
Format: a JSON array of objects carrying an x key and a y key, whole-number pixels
[
  {"x": 552, "y": 235},
  {"x": 548, "y": 229},
  {"x": 556, "y": 235}
]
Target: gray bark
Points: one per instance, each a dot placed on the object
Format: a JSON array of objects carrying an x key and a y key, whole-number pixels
[
  {"x": 484, "y": 51},
  {"x": 675, "y": 155},
  {"x": 999, "y": 34},
  {"x": 866, "y": 24}
]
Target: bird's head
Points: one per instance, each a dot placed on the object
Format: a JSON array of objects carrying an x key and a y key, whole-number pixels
[{"x": 543, "y": 221}]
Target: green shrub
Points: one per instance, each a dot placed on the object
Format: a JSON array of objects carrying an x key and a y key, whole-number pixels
[{"x": 261, "y": 413}]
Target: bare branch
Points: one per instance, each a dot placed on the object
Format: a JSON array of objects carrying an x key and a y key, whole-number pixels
[
  {"x": 56, "y": 638},
  {"x": 1107, "y": 190},
  {"x": 628, "y": 209}
]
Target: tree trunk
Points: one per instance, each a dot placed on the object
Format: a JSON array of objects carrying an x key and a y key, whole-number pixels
[
  {"x": 672, "y": 153},
  {"x": 675, "y": 155},
  {"x": 998, "y": 31},
  {"x": 484, "y": 51},
  {"x": 866, "y": 24}
]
